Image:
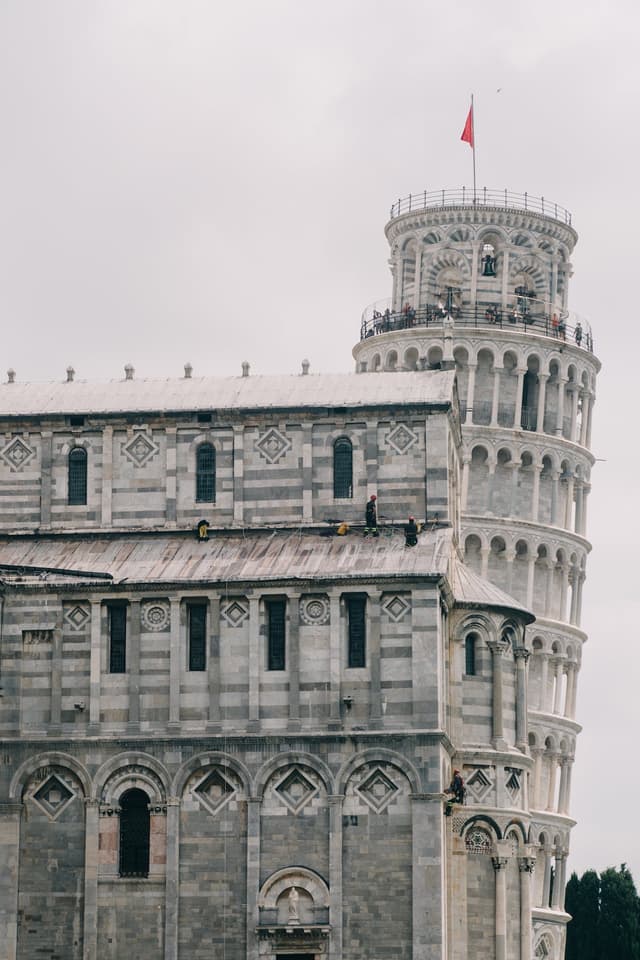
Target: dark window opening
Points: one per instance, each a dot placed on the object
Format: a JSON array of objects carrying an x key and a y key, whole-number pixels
[
  {"x": 76, "y": 421},
  {"x": 206, "y": 473},
  {"x": 135, "y": 834},
  {"x": 204, "y": 418},
  {"x": 197, "y": 636},
  {"x": 276, "y": 634},
  {"x": 77, "y": 476},
  {"x": 470, "y": 655},
  {"x": 117, "y": 639},
  {"x": 356, "y": 612},
  {"x": 342, "y": 469}
]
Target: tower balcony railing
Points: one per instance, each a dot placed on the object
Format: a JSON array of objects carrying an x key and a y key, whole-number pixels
[
  {"x": 527, "y": 315},
  {"x": 480, "y": 197}
]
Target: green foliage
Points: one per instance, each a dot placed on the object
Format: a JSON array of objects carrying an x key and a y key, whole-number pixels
[{"x": 606, "y": 916}]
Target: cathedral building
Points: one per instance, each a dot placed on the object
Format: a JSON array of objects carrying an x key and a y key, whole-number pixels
[{"x": 232, "y": 708}]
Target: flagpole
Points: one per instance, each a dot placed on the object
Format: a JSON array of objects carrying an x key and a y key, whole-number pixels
[{"x": 473, "y": 147}]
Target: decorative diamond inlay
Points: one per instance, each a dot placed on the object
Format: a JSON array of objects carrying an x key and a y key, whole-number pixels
[
  {"x": 140, "y": 449},
  {"x": 396, "y": 608},
  {"x": 155, "y": 616},
  {"x": 273, "y": 445},
  {"x": 478, "y": 785},
  {"x": 296, "y": 790},
  {"x": 402, "y": 438},
  {"x": 77, "y": 617},
  {"x": 314, "y": 610},
  {"x": 17, "y": 454},
  {"x": 234, "y": 613},
  {"x": 513, "y": 784},
  {"x": 378, "y": 790},
  {"x": 214, "y": 791},
  {"x": 53, "y": 796}
]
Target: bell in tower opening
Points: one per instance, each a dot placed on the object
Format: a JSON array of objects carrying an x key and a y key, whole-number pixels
[{"x": 488, "y": 261}]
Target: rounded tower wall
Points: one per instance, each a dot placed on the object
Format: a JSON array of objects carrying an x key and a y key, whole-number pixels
[{"x": 485, "y": 287}]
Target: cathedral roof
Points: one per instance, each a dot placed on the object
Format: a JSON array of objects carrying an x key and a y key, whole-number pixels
[
  {"x": 471, "y": 590},
  {"x": 256, "y": 556},
  {"x": 225, "y": 393}
]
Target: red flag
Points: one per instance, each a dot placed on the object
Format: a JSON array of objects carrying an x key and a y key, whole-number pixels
[{"x": 467, "y": 133}]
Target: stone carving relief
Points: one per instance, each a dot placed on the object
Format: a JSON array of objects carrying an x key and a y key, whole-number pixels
[
  {"x": 273, "y": 445},
  {"x": 396, "y": 607},
  {"x": 17, "y": 454},
  {"x": 401, "y": 438},
  {"x": 140, "y": 449},
  {"x": 235, "y": 612},
  {"x": 52, "y": 789},
  {"x": 296, "y": 789},
  {"x": 155, "y": 615},
  {"x": 378, "y": 790},
  {"x": 76, "y": 616},
  {"x": 478, "y": 785},
  {"x": 314, "y": 610}
]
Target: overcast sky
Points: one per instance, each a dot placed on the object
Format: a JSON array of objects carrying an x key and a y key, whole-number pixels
[{"x": 192, "y": 180}]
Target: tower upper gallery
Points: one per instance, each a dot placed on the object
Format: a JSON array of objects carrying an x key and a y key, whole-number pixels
[{"x": 498, "y": 264}]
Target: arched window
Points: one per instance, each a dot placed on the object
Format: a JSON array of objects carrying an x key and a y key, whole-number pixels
[
  {"x": 342, "y": 469},
  {"x": 77, "y": 476},
  {"x": 470, "y": 655},
  {"x": 206, "y": 473},
  {"x": 134, "y": 834}
]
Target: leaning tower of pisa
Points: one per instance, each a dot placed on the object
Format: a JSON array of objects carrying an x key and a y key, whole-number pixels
[{"x": 482, "y": 283}]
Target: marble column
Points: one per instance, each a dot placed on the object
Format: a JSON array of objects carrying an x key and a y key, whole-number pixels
[
  {"x": 535, "y": 493},
  {"x": 499, "y": 866},
  {"x": 575, "y": 395},
  {"x": 213, "y": 663},
  {"x": 518, "y": 412},
  {"x": 548, "y": 595},
  {"x": 542, "y": 396},
  {"x": 471, "y": 384},
  {"x": 526, "y": 864},
  {"x": 570, "y": 703},
  {"x": 536, "y": 800},
  {"x": 558, "y": 665},
  {"x": 546, "y": 883},
  {"x": 133, "y": 664},
  {"x": 254, "y": 663},
  {"x": 496, "y": 396},
  {"x": 373, "y": 657},
  {"x": 294, "y": 660},
  {"x": 555, "y": 497},
  {"x": 335, "y": 660},
  {"x": 560, "y": 416},
  {"x": 10, "y": 813},
  {"x": 253, "y": 874},
  {"x": 464, "y": 493},
  {"x": 543, "y": 700},
  {"x": 174, "y": 663},
  {"x": 553, "y": 771},
  {"x": 497, "y": 649},
  {"x": 335, "y": 873},
  {"x": 558, "y": 885},
  {"x": 521, "y": 655},
  {"x": 91, "y": 841},
  {"x": 565, "y": 774},
  {"x": 95, "y": 665},
  {"x": 172, "y": 884}
]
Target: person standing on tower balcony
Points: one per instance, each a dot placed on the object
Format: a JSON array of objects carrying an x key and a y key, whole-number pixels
[
  {"x": 578, "y": 333},
  {"x": 371, "y": 517}
]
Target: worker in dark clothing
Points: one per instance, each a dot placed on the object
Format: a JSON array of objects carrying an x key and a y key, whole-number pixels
[
  {"x": 411, "y": 533},
  {"x": 456, "y": 788},
  {"x": 371, "y": 517}
]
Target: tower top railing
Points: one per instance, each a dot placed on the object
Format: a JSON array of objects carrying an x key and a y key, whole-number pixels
[{"x": 480, "y": 197}]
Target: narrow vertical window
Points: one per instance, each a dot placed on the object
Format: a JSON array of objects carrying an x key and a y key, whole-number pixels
[
  {"x": 276, "y": 634},
  {"x": 135, "y": 834},
  {"x": 470, "y": 655},
  {"x": 342, "y": 469},
  {"x": 77, "y": 475},
  {"x": 197, "y": 636},
  {"x": 356, "y": 614},
  {"x": 117, "y": 639},
  {"x": 206, "y": 473}
]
